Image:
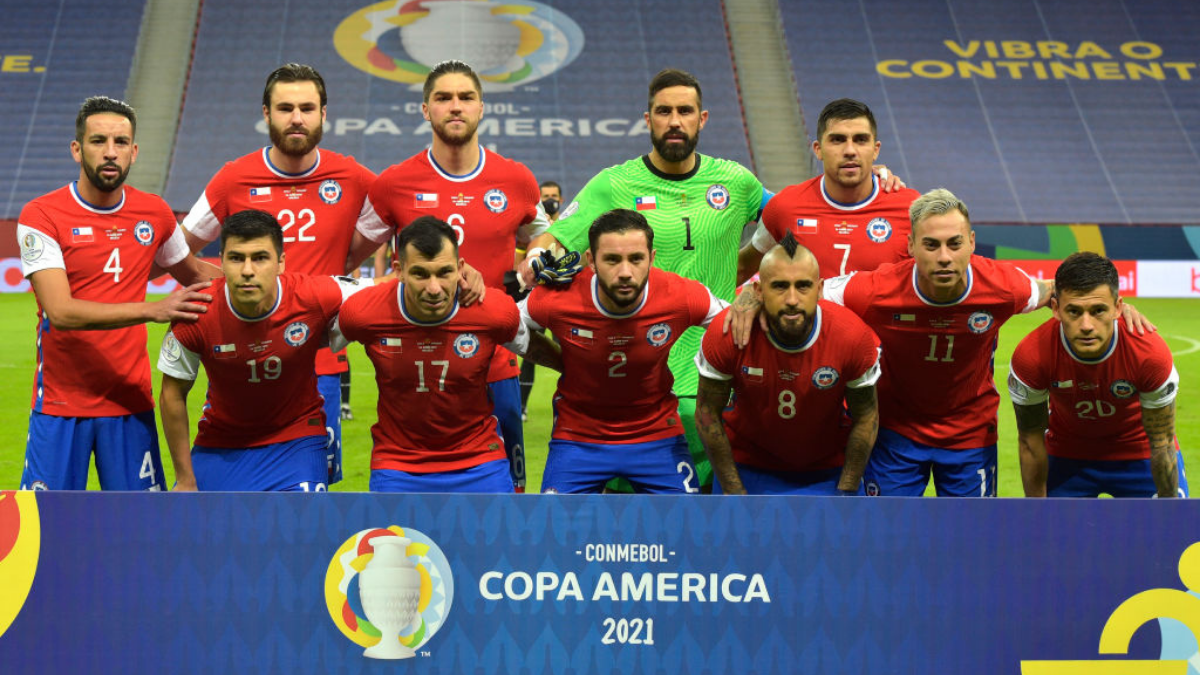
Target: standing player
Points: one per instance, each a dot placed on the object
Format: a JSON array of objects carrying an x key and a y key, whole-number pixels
[
  {"x": 788, "y": 431},
  {"x": 436, "y": 430},
  {"x": 88, "y": 250},
  {"x": 937, "y": 316},
  {"x": 615, "y": 413},
  {"x": 263, "y": 426},
  {"x": 488, "y": 200},
  {"x": 843, "y": 216},
  {"x": 316, "y": 195},
  {"x": 1111, "y": 391}
]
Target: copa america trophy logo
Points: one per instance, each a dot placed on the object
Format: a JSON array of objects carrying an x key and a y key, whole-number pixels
[{"x": 389, "y": 590}]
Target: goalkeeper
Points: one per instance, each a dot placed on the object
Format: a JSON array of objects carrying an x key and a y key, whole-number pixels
[{"x": 615, "y": 413}]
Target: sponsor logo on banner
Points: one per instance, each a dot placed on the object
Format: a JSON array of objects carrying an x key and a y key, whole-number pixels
[
  {"x": 426, "y": 200},
  {"x": 979, "y": 322},
  {"x": 825, "y": 377},
  {"x": 260, "y": 194},
  {"x": 81, "y": 235},
  {"x": 646, "y": 203},
  {"x": 20, "y": 545},
  {"x": 496, "y": 201},
  {"x": 717, "y": 197},
  {"x": 1123, "y": 389},
  {"x": 466, "y": 345},
  {"x": 331, "y": 191},
  {"x": 296, "y": 333},
  {"x": 389, "y": 590},
  {"x": 658, "y": 334},
  {"x": 879, "y": 230},
  {"x": 143, "y": 232},
  {"x": 508, "y": 44}
]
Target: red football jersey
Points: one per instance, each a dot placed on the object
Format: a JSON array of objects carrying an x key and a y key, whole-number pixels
[
  {"x": 615, "y": 386},
  {"x": 317, "y": 208},
  {"x": 261, "y": 385},
  {"x": 485, "y": 207},
  {"x": 937, "y": 385},
  {"x": 435, "y": 413},
  {"x": 788, "y": 412},
  {"x": 1095, "y": 405},
  {"x": 107, "y": 254},
  {"x": 844, "y": 238}
]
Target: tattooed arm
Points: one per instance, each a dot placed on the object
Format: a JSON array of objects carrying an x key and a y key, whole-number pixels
[
  {"x": 864, "y": 409},
  {"x": 1159, "y": 424},
  {"x": 711, "y": 398}
]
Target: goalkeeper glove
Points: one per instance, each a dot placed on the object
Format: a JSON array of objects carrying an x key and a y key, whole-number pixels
[{"x": 556, "y": 271}]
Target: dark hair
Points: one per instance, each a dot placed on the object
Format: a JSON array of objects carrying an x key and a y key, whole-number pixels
[
  {"x": 1085, "y": 271},
  {"x": 103, "y": 104},
  {"x": 294, "y": 72},
  {"x": 445, "y": 68},
  {"x": 789, "y": 244},
  {"x": 550, "y": 183},
  {"x": 844, "y": 109},
  {"x": 617, "y": 221},
  {"x": 252, "y": 224},
  {"x": 427, "y": 234},
  {"x": 672, "y": 77}
]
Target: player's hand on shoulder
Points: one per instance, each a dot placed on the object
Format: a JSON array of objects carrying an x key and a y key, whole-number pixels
[
  {"x": 741, "y": 315},
  {"x": 471, "y": 288},
  {"x": 889, "y": 181},
  {"x": 182, "y": 304},
  {"x": 1135, "y": 321}
]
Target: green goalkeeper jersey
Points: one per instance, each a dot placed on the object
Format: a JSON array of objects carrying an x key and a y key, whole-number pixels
[{"x": 697, "y": 219}]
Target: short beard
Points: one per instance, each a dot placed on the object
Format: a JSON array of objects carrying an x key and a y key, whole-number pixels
[
  {"x": 287, "y": 146},
  {"x": 455, "y": 141},
  {"x": 618, "y": 301},
  {"x": 672, "y": 152},
  {"x": 100, "y": 182},
  {"x": 787, "y": 337}
]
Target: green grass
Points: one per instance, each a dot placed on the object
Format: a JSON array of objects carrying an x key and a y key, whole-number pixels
[{"x": 1178, "y": 321}]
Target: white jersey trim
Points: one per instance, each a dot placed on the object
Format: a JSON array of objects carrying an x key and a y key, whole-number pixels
[
  {"x": 39, "y": 251},
  {"x": 455, "y": 177},
  {"x": 1164, "y": 395},
  {"x": 870, "y": 377},
  {"x": 707, "y": 370},
  {"x": 88, "y": 206},
  {"x": 415, "y": 322},
  {"x": 1023, "y": 394},
  {"x": 856, "y": 205},
  {"x": 762, "y": 240},
  {"x": 201, "y": 221},
  {"x": 178, "y": 361},
  {"x": 614, "y": 315},
  {"x": 813, "y": 334},
  {"x": 834, "y": 288},
  {"x": 255, "y": 319},
  {"x": 173, "y": 250},
  {"x": 266, "y": 157},
  {"x": 934, "y": 303}
]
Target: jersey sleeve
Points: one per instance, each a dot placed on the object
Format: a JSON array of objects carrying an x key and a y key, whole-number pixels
[
  {"x": 1025, "y": 290},
  {"x": 176, "y": 360},
  {"x": 716, "y": 359},
  {"x": 204, "y": 220},
  {"x": 1027, "y": 383},
  {"x": 571, "y": 228},
  {"x": 755, "y": 195},
  {"x": 39, "y": 249},
  {"x": 763, "y": 239},
  {"x": 174, "y": 248},
  {"x": 835, "y": 289},
  {"x": 703, "y": 306},
  {"x": 1164, "y": 395},
  {"x": 865, "y": 359},
  {"x": 1158, "y": 381},
  {"x": 508, "y": 324},
  {"x": 526, "y": 317},
  {"x": 383, "y": 225}
]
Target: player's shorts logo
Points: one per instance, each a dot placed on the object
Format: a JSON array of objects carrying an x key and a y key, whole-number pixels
[
  {"x": 496, "y": 201},
  {"x": 296, "y": 333},
  {"x": 658, "y": 334},
  {"x": 330, "y": 191},
  {"x": 32, "y": 247},
  {"x": 144, "y": 233},
  {"x": 389, "y": 596},
  {"x": 872, "y": 489},
  {"x": 980, "y": 322},
  {"x": 825, "y": 377},
  {"x": 466, "y": 345},
  {"x": 717, "y": 196},
  {"x": 879, "y": 230},
  {"x": 509, "y": 45},
  {"x": 20, "y": 544},
  {"x": 1122, "y": 389}
]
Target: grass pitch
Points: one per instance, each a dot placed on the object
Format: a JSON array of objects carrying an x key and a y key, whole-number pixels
[{"x": 1178, "y": 320}]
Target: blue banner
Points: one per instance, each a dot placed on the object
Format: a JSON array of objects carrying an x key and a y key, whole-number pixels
[{"x": 555, "y": 584}]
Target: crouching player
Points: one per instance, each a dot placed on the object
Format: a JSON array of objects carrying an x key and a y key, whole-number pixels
[
  {"x": 263, "y": 426},
  {"x": 788, "y": 431},
  {"x": 1095, "y": 402},
  {"x": 615, "y": 413}
]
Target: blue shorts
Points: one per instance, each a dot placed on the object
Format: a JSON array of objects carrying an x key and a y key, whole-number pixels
[
  {"x": 489, "y": 477},
  {"x": 1084, "y": 478},
  {"x": 760, "y": 482},
  {"x": 656, "y": 467},
  {"x": 506, "y": 406},
  {"x": 330, "y": 389},
  {"x": 59, "y": 449},
  {"x": 297, "y": 465},
  {"x": 900, "y": 467}
]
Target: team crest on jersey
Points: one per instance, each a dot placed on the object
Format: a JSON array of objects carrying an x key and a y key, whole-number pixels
[
  {"x": 658, "y": 334},
  {"x": 296, "y": 333},
  {"x": 496, "y": 201},
  {"x": 466, "y": 345},
  {"x": 872, "y": 489},
  {"x": 32, "y": 247},
  {"x": 825, "y": 377},
  {"x": 1122, "y": 389},
  {"x": 144, "y": 233},
  {"x": 330, "y": 191},
  {"x": 879, "y": 230},
  {"x": 717, "y": 196},
  {"x": 980, "y": 322}
]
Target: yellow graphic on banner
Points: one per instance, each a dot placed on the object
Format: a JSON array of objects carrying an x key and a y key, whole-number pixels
[
  {"x": 20, "y": 543},
  {"x": 1137, "y": 611}
]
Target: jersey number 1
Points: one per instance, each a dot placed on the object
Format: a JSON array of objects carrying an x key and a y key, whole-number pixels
[{"x": 687, "y": 225}]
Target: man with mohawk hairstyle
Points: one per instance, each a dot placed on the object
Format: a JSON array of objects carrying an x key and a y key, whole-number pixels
[{"x": 788, "y": 431}]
